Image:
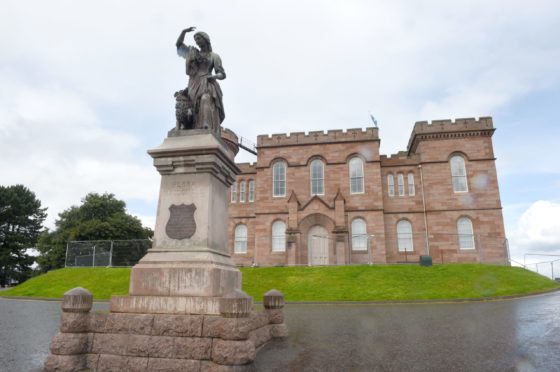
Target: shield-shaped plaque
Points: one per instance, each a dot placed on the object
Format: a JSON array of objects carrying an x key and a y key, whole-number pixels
[{"x": 181, "y": 224}]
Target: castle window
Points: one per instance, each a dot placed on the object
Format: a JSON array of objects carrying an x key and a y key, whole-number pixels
[
  {"x": 356, "y": 176},
  {"x": 400, "y": 183},
  {"x": 411, "y": 189},
  {"x": 279, "y": 179},
  {"x": 465, "y": 231},
  {"x": 359, "y": 235},
  {"x": 317, "y": 177},
  {"x": 233, "y": 192},
  {"x": 459, "y": 174},
  {"x": 242, "y": 192},
  {"x": 404, "y": 236},
  {"x": 391, "y": 185},
  {"x": 240, "y": 245},
  {"x": 278, "y": 236},
  {"x": 251, "y": 191}
]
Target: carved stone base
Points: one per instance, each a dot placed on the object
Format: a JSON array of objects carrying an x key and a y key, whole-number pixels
[{"x": 171, "y": 342}]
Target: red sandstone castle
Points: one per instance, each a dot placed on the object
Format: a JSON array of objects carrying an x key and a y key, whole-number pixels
[{"x": 331, "y": 198}]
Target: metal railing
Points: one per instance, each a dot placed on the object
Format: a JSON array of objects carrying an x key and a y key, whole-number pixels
[{"x": 105, "y": 253}]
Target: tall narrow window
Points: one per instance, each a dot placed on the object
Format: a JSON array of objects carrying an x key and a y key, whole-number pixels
[
  {"x": 242, "y": 192},
  {"x": 251, "y": 191},
  {"x": 391, "y": 184},
  {"x": 359, "y": 235},
  {"x": 317, "y": 177},
  {"x": 240, "y": 244},
  {"x": 279, "y": 179},
  {"x": 404, "y": 236},
  {"x": 465, "y": 231},
  {"x": 400, "y": 183},
  {"x": 411, "y": 189},
  {"x": 278, "y": 236},
  {"x": 459, "y": 174},
  {"x": 233, "y": 192},
  {"x": 356, "y": 166}
]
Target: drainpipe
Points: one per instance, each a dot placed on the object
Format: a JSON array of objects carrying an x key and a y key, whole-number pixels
[{"x": 424, "y": 207}]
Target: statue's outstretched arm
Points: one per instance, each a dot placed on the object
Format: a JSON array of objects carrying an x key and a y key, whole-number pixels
[{"x": 181, "y": 37}]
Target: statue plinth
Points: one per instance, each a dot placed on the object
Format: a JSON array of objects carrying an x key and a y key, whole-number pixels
[{"x": 189, "y": 256}]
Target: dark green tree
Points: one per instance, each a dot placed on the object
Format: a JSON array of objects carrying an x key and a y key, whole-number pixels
[
  {"x": 21, "y": 221},
  {"x": 99, "y": 217}
]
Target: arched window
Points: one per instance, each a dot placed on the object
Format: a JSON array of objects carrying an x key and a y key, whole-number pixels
[
  {"x": 233, "y": 192},
  {"x": 459, "y": 174},
  {"x": 242, "y": 192},
  {"x": 317, "y": 170},
  {"x": 359, "y": 235},
  {"x": 465, "y": 231},
  {"x": 391, "y": 184},
  {"x": 279, "y": 179},
  {"x": 278, "y": 236},
  {"x": 411, "y": 189},
  {"x": 404, "y": 236},
  {"x": 251, "y": 191},
  {"x": 356, "y": 167},
  {"x": 400, "y": 183},
  {"x": 240, "y": 245}
]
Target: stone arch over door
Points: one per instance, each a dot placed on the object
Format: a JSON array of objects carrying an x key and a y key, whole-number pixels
[{"x": 316, "y": 219}]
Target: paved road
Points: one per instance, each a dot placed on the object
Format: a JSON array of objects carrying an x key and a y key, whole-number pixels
[{"x": 521, "y": 334}]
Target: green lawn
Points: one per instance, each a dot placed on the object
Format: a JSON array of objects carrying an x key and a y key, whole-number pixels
[{"x": 341, "y": 283}]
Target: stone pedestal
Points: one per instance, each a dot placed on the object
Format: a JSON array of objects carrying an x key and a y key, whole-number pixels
[{"x": 185, "y": 309}]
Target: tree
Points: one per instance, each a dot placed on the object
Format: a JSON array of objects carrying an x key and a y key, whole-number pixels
[
  {"x": 99, "y": 217},
  {"x": 21, "y": 221}
]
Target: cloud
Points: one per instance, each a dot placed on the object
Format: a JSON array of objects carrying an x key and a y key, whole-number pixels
[
  {"x": 537, "y": 230},
  {"x": 53, "y": 143},
  {"x": 87, "y": 87}
]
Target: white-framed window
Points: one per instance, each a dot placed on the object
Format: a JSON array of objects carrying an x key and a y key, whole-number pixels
[
  {"x": 242, "y": 186},
  {"x": 251, "y": 191},
  {"x": 356, "y": 168},
  {"x": 317, "y": 176},
  {"x": 278, "y": 236},
  {"x": 240, "y": 244},
  {"x": 359, "y": 235},
  {"x": 391, "y": 185},
  {"x": 400, "y": 184},
  {"x": 279, "y": 179},
  {"x": 459, "y": 174},
  {"x": 465, "y": 231},
  {"x": 404, "y": 236},
  {"x": 233, "y": 192},
  {"x": 411, "y": 188}
]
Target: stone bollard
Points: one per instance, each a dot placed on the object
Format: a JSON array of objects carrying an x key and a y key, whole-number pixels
[
  {"x": 273, "y": 302},
  {"x": 70, "y": 346},
  {"x": 236, "y": 304}
]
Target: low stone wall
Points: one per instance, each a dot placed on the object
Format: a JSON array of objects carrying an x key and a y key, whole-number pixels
[{"x": 148, "y": 342}]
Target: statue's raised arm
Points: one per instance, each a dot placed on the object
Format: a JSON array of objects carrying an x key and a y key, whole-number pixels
[{"x": 200, "y": 105}]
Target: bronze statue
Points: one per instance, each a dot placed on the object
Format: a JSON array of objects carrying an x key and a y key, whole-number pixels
[{"x": 200, "y": 106}]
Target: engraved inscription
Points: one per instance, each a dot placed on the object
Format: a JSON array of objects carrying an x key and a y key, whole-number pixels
[{"x": 181, "y": 224}]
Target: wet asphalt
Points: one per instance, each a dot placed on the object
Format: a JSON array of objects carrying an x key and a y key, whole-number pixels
[{"x": 510, "y": 335}]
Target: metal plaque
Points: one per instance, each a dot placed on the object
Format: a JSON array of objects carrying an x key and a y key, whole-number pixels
[{"x": 181, "y": 224}]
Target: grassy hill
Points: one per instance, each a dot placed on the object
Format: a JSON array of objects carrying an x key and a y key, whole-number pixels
[{"x": 340, "y": 283}]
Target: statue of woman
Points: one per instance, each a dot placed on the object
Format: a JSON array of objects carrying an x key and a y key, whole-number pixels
[{"x": 203, "y": 90}]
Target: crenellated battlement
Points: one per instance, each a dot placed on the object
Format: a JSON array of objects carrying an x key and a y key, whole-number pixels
[
  {"x": 448, "y": 128},
  {"x": 314, "y": 137}
]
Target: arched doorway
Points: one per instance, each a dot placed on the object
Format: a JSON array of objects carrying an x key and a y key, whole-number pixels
[{"x": 318, "y": 245}]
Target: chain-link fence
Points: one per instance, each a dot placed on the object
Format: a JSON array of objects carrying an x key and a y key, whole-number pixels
[
  {"x": 545, "y": 264},
  {"x": 318, "y": 249},
  {"x": 106, "y": 253}
]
